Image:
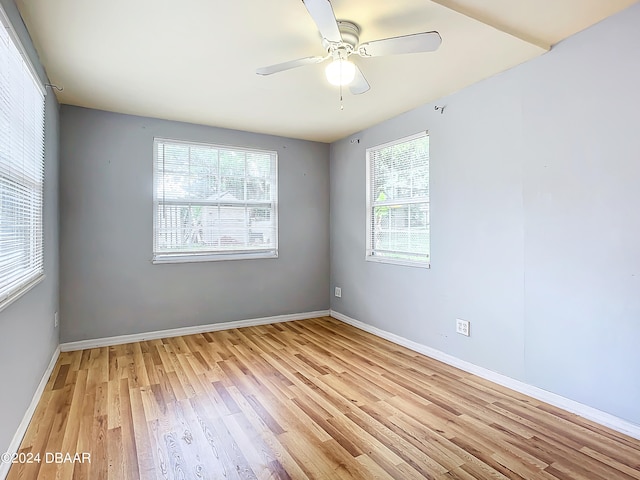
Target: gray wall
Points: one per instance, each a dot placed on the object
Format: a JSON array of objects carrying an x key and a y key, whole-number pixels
[
  {"x": 107, "y": 282},
  {"x": 535, "y": 184},
  {"x": 27, "y": 336}
]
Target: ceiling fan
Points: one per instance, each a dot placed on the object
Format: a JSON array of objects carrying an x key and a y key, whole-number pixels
[{"x": 341, "y": 40}]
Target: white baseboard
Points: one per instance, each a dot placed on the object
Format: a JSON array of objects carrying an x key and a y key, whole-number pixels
[
  {"x": 585, "y": 411},
  {"x": 24, "y": 424},
  {"x": 178, "y": 332}
]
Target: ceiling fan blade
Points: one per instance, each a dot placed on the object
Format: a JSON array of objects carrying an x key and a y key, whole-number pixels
[
  {"x": 416, "y": 43},
  {"x": 322, "y": 14},
  {"x": 359, "y": 84},
  {"x": 280, "y": 67}
]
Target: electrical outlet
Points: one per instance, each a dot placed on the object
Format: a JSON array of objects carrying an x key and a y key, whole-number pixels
[
  {"x": 338, "y": 292},
  {"x": 462, "y": 327},
  {"x": 56, "y": 321}
]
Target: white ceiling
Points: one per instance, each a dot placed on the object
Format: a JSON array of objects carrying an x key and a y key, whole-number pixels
[{"x": 195, "y": 60}]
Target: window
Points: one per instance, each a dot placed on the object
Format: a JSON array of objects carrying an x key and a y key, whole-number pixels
[
  {"x": 398, "y": 202},
  {"x": 21, "y": 169},
  {"x": 213, "y": 202}
]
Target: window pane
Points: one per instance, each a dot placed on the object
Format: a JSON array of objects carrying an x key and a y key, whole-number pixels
[
  {"x": 214, "y": 200},
  {"x": 21, "y": 170},
  {"x": 398, "y": 201},
  {"x": 204, "y": 172}
]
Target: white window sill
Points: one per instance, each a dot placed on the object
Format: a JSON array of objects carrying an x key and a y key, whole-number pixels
[
  {"x": 393, "y": 261},
  {"x": 19, "y": 293},
  {"x": 217, "y": 257}
]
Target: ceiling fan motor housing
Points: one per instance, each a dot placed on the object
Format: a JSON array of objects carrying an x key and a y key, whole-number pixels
[{"x": 350, "y": 34}]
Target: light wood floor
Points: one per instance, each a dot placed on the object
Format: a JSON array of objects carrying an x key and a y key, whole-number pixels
[{"x": 308, "y": 399}]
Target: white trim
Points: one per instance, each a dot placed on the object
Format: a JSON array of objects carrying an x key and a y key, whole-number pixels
[
  {"x": 219, "y": 146},
  {"x": 394, "y": 261},
  {"x": 188, "y": 256},
  {"x": 161, "y": 258},
  {"x": 178, "y": 332},
  {"x": 9, "y": 299},
  {"x": 408, "y": 138},
  {"x": 403, "y": 201},
  {"x": 372, "y": 204},
  {"x": 585, "y": 411},
  {"x": 26, "y": 419}
]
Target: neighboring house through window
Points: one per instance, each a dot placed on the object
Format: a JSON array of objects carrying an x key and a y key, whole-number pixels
[
  {"x": 398, "y": 202},
  {"x": 213, "y": 202},
  {"x": 21, "y": 169}
]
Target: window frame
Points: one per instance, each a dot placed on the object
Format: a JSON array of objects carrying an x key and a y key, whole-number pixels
[
  {"x": 27, "y": 177},
  {"x": 371, "y": 205},
  {"x": 212, "y": 255}
]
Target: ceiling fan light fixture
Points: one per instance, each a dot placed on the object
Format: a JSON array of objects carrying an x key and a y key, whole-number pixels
[
  {"x": 340, "y": 72},
  {"x": 341, "y": 39}
]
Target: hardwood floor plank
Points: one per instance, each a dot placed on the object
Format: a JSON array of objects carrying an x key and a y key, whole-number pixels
[
  {"x": 127, "y": 431},
  {"x": 115, "y": 469},
  {"x": 225, "y": 450},
  {"x": 311, "y": 399},
  {"x": 397, "y": 444},
  {"x": 185, "y": 428},
  {"x": 632, "y": 472},
  {"x": 61, "y": 377},
  {"x": 268, "y": 444},
  {"x": 144, "y": 448},
  {"x": 262, "y": 459},
  {"x": 431, "y": 442}
]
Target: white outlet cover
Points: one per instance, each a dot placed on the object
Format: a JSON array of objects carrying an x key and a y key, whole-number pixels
[
  {"x": 338, "y": 292},
  {"x": 462, "y": 327}
]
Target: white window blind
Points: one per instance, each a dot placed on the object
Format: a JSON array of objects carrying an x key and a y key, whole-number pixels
[
  {"x": 21, "y": 169},
  {"x": 398, "y": 202},
  {"x": 214, "y": 202}
]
